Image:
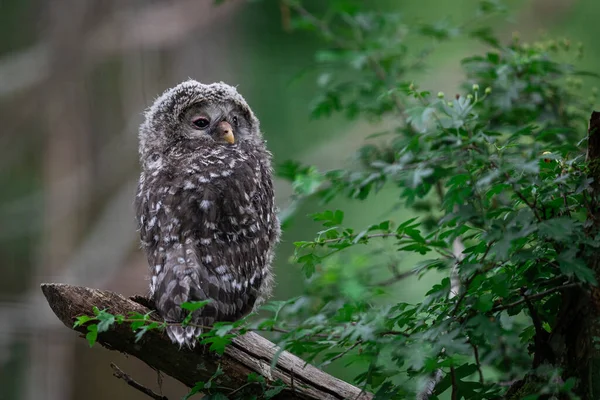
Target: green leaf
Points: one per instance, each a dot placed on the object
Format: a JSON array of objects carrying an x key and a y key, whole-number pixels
[
  {"x": 222, "y": 328},
  {"x": 82, "y": 319},
  {"x": 309, "y": 262},
  {"x": 105, "y": 321},
  {"x": 198, "y": 388},
  {"x": 218, "y": 343},
  {"x": 560, "y": 229},
  {"x": 460, "y": 372},
  {"x": 329, "y": 218},
  {"x": 485, "y": 302},
  {"x": 140, "y": 320},
  {"x": 307, "y": 183},
  {"x": 290, "y": 169},
  {"x": 142, "y": 330},
  {"x": 570, "y": 265},
  {"x": 487, "y": 36},
  {"x": 92, "y": 334},
  {"x": 192, "y": 306},
  {"x": 419, "y": 117},
  {"x": 254, "y": 377}
]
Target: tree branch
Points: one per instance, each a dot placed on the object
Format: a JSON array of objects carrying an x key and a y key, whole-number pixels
[
  {"x": 477, "y": 362},
  {"x": 246, "y": 354},
  {"x": 534, "y": 297},
  {"x": 118, "y": 373},
  {"x": 454, "y": 395}
]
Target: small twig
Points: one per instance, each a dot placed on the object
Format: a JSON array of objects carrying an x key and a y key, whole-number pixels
[
  {"x": 535, "y": 318},
  {"x": 159, "y": 380},
  {"x": 541, "y": 335},
  {"x": 534, "y": 296},
  {"x": 322, "y": 26},
  {"x": 382, "y": 75},
  {"x": 472, "y": 278},
  {"x": 377, "y": 235},
  {"x": 520, "y": 195},
  {"x": 507, "y": 383},
  {"x": 477, "y": 362},
  {"x": 374, "y": 235},
  {"x": 342, "y": 354},
  {"x": 439, "y": 189},
  {"x": 532, "y": 206},
  {"x": 239, "y": 389},
  {"x": 566, "y": 203},
  {"x": 368, "y": 378},
  {"x": 558, "y": 279},
  {"x": 397, "y": 276},
  {"x": 292, "y": 381},
  {"x": 464, "y": 293},
  {"x": 454, "y": 395},
  {"x": 117, "y": 372},
  {"x": 394, "y": 333}
]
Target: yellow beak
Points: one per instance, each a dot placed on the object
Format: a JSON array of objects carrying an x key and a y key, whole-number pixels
[{"x": 225, "y": 131}]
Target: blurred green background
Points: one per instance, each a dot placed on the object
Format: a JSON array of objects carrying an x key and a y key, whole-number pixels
[{"x": 75, "y": 76}]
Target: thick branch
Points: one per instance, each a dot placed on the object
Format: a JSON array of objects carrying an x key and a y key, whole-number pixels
[{"x": 246, "y": 354}]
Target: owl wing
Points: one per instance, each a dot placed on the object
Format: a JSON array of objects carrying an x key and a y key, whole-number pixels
[
  {"x": 226, "y": 210},
  {"x": 203, "y": 257}
]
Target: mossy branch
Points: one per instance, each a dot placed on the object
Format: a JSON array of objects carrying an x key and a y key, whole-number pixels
[{"x": 247, "y": 354}]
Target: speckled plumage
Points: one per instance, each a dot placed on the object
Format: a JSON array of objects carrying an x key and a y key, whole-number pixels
[{"x": 205, "y": 207}]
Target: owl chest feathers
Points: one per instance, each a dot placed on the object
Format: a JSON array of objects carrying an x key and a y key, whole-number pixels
[{"x": 218, "y": 203}]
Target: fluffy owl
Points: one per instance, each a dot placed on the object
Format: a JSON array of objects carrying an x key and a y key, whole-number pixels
[{"x": 205, "y": 205}]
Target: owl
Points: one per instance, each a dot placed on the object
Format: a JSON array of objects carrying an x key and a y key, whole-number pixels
[{"x": 205, "y": 206}]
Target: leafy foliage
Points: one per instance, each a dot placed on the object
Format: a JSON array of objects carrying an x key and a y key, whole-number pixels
[
  {"x": 499, "y": 170},
  {"x": 496, "y": 179}
]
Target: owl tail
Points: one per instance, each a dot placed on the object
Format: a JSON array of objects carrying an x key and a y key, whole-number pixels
[{"x": 184, "y": 335}]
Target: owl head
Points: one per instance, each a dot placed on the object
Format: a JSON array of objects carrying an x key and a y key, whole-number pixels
[{"x": 209, "y": 115}]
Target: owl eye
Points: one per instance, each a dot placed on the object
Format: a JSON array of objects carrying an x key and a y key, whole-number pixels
[
  {"x": 235, "y": 120},
  {"x": 201, "y": 122}
]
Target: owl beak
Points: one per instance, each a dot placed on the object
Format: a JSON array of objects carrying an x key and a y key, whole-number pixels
[{"x": 225, "y": 132}]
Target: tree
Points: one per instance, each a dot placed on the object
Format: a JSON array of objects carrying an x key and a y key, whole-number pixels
[{"x": 506, "y": 207}]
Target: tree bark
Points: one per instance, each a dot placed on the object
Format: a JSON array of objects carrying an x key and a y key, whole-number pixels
[{"x": 246, "y": 354}]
